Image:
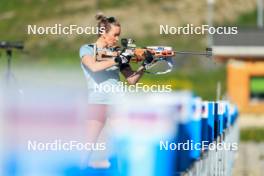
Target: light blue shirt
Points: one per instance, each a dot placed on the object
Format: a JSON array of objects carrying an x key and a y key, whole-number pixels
[{"x": 106, "y": 78}]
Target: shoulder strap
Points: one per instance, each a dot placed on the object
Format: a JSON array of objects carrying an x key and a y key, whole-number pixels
[{"x": 94, "y": 48}]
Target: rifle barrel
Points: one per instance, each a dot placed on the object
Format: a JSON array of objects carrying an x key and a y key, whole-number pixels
[{"x": 207, "y": 53}]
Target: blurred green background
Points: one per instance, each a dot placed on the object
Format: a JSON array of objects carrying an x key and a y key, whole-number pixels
[{"x": 139, "y": 19}]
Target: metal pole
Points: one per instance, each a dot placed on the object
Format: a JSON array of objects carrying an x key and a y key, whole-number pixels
[
  {"x": 210, "y": 8},
  {"x": 8, "y": 72},
  {"x": 218, "y": 91},
  {"x": 260, "y": 13}
]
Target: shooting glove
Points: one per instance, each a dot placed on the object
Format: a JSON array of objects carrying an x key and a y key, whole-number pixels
[
  {"x": 148, "y": 58},
  {"x": 122, "y": 59}
]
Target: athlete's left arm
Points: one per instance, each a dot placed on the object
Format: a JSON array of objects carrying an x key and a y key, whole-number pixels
[{"x": 131, "y": 76}]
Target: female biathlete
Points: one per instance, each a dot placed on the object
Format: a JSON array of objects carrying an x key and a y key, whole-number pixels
[{"x": 103, "y": 71}]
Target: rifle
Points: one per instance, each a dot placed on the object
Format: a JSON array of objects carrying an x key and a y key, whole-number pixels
[{"x": 160, "y": 54}]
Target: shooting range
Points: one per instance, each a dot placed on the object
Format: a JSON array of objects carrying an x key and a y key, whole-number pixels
[{"x": 165, "y": 88}]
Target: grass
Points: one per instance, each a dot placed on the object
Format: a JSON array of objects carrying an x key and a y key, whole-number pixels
[
  {"x": 106, "y": 4},
  {"x": 252, "y": 134},
  {"x": 201, "y": 82},
  {"x": 257, "y": 84},
  {"x": 44, "y": 51},
  {"x": 248, "y": 19}
]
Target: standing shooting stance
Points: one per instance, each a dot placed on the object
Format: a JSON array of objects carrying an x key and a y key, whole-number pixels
[{"x": 101, "y": 70}]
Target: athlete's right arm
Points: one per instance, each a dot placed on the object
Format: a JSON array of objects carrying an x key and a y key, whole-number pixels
[{"x": 95, "y": 66}]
